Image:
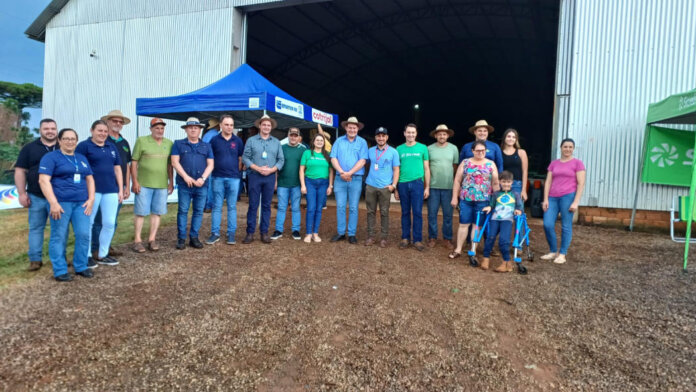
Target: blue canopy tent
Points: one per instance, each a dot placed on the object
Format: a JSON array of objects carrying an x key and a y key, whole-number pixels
[{"x": 244, "y": 94}]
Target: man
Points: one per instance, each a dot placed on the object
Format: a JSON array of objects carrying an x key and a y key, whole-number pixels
[
  {"x": 288, "y": 185},
  {"x": 193, "y": 161},
  {"x": 212, "y": 130},
  {"x": 348, "y": 157},
  {"x": 413, "y": 187},
  {"x": 227, "y": 151},
  {"x": 263, "y": 157},
  {"x": 482, "y": 130},
  {"x": 152, "y": 182},
  {"x": 115, "y": 121},
  {"x": 381, "y": 183},
  {"x": 26, "y": 176},
  {"x": 444, "y": 159}
]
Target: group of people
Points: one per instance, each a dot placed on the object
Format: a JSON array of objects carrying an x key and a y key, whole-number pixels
[{"x": 84, "y": 184}]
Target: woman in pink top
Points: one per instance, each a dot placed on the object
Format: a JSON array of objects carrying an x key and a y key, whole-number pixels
[{"x": 565, "y": 182}]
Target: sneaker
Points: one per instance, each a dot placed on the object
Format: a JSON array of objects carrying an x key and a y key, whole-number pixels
[
  {"x": 195, "y": 243},
  {"x": 338, "y": 237},
  {"x": 63, "y": 278},
  {"x": 560, "y": 259},
  {"x": 276, "y": 235},
  {"x": 296, "y": 235},
  {"x": 231, "y": 240},
  {"x": 108, "y": 260},
  {"x": 419, "y": 246},
  {"x": 212, "y": 239},
  {"x": 549, "y": 256},
  {"x": 181, "y": 243},
  {"x": 86, "y": 273},
  {"x": 91, "y": 264}
]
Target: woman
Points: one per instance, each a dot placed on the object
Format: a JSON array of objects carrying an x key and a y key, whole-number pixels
[
  {"x": 565, "y": 182},
  {"x": 105, "y": 162},
  {"x": 515, "y": 161},
  {"x": 475, "y": 179},
  {"x": 316, "y": 181},
  {"x": 66, "y": 180}
]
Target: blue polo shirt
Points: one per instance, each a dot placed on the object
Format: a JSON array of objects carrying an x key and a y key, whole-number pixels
[
  {"x": 62, "y": 169},
  {"x": 349, "y": 153},
  {"x": 102, "y": 160},
  {"x": 382, "y": 164},
  {"x": 192, "y": 157},
  {"x": 227, "y": 153},
  {"x": 492, "y": 152}
]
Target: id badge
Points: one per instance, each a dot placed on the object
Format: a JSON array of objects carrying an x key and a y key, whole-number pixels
[
  {"x": 264, "y": 155},
  {"x": 76, "y": 178},
  {"x": 376, "y": 166}
]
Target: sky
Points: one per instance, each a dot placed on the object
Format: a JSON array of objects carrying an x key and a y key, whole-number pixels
[{"x": 21, "y": 58}]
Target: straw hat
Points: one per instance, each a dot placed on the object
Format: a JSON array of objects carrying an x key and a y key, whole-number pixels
[
  {"x": 352, "y": 120},
  {"x": 116, "y": 113},
  {"x": 213, "y": 123},
  {"x": 193, "y": 121},
  {"x": 442, "y": 127},
  {"x": 481, "y": 123},
  {"x": 265, "y": 117}
]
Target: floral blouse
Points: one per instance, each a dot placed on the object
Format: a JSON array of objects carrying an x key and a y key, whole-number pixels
[{"x": 476, "y": 181}]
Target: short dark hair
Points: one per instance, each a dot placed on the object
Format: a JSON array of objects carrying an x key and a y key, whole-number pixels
[
  {"x": 477, "y": 143},
  {"x": 412, "y": 125},
  {"x": 62, "y": 132},
  {"x": 506, "y": 175},
  {"x": 46, "y": 120},
  {"x": 226, "y": 115},
  {"x": 568, "y": 140},
  {"x": 98, "y": 122}
]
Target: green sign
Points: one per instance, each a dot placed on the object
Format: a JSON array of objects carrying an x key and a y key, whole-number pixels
[{"x": 668, "y": 157}]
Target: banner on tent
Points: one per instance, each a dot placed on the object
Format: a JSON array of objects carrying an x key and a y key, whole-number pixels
[
  {"x": 669, "y": 156},
  {"x": 288, "y": 107}
]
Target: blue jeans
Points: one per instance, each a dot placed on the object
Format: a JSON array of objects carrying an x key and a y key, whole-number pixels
[
  {"x": 496, "y": 227},
  {"x": 411, "y": 197},
  {"x": 38, "y": 214},
  {"x": 440, "y": 198},
  {"x": 295, "y": 195},
  {"x": 210, "y": 196},
  {"x": 556, "y": 205},
  {"x": 73, "y": 213},
  {"x": 260, "y": 192},
  {"x": 316, "y": 198},
  {"x": 187, "y": 195},
  {"x": 347, "y": 193},
  {"x": 224, "y": 188},
  {"x": 105, "y": 209},
  {"x": 97, "y": 226},
  {"x": 517, "y": 186}
]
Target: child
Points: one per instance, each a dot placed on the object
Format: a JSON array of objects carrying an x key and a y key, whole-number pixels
[{"x": 504, "y": 203}]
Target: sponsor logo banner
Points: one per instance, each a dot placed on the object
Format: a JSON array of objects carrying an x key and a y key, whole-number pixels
[
  {"x": 322, "y": 118},
  {"x": 669, "y": 156},
  {"x": 253, "y": 102},
  {"x": 288, "y": 107}
]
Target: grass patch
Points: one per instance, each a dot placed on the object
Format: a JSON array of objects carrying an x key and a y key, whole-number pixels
[{"x": 14, "y": 244}]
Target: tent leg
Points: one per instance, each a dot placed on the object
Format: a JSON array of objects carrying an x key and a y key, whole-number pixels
[
  {"x": 137, "y": 127},
  {"x": 635, "y": 197}
]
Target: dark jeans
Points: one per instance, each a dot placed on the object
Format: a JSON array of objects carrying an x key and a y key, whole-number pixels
[
  {"x": 187, "y": 196},
  {"x": 260, "y": 192},
  {"x": 373, "y": 197},
  {"x": 504, "y": 229},
  {"x": 316, "y": 197},
  {"x": 411, "y": 197}
]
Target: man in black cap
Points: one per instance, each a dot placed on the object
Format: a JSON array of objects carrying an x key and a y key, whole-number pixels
[{"x": 380, "y": 184}]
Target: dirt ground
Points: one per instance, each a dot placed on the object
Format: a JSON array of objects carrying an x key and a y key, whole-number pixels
[{"x": 618, "y": 316}]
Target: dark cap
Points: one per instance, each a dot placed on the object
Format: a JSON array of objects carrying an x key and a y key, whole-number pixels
[
  {"x": 293, "y": 131},
  {"x": 381, "y": 130}
]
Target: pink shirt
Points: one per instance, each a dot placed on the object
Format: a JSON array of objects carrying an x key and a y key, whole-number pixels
[{"x": 563, "y": 176}]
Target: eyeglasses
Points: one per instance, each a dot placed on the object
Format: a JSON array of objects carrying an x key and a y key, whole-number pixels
[
  {"x": 294, "y": 135},
  {"x": 479, "y": 150},
  {"x": 68, "y": 139},
  {"x": 116, "y": 121}
]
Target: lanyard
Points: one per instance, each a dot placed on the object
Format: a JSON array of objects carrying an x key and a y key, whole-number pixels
[
  {"x": 380, "y": 155},
  {"x": 77, "y": 169}
]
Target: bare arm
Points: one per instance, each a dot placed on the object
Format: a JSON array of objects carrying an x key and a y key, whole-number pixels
[
  {"x": 90, "y": 194},
  {"x": 210, "y": 165},
  {"x": 547, "y": 188},
  {"x": 494, "y": 180},
  {"x": 337, "y": 167},
  {"x": 359, "y": 165},
  {"x": 426, "y": 171},
  {"x": 134, "y": 176},
  {"x": 119, "y": 180},
  {"x": 580, "y": 176},
  {"x": 126, "y": 182},
  {"x": 20, "y": 178},
  {"x": 525, "y": 172},
  {"x": 303, "y": 187},
  {"x": 170, "y": 177},
  {"x": 457, "y": 184},
  {"x": 55, "y": 209}
]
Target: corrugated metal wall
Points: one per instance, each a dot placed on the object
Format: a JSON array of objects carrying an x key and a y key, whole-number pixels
[
  {"x": 625, "y": 55},
  {"x": 142, "y": 57}
]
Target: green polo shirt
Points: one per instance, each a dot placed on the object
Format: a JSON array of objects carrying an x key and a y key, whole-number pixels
[
  {"x": 152, "y": 158},
  {"x": 289, "y": 177}
]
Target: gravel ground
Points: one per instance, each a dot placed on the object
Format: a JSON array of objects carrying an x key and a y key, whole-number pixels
[{"x": 292, "y": 316}]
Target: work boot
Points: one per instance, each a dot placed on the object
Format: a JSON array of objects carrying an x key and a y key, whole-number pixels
[
  {"x": 265, "y": 238},
  {"x": 505, "y": 266},
  {"x": 484, "y": 263},
  {"x": 35, "y": 266},
  {"x": 248, "y": 239}
]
